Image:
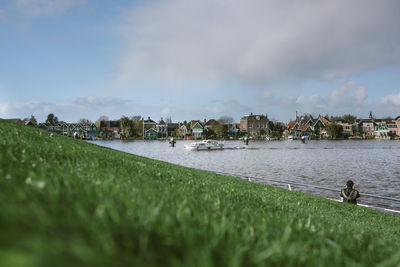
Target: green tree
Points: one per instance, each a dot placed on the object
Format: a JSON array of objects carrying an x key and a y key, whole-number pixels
[
  {"x": 220, "y": 130},
  {"x": 208, "y": 133},
  {"x": 180, "y": 133},
  {"x": 276, "y": 134},
  {"x": 100, "y": 119},
  {"x": 388, "y": 119},
  {"x": 225, "y": 120},
  {"x": 137, "y": 124},
  {"x": 349, "y": 118},
  {"x": 51, "y": 119},
  {"x": 243, "y": 134},
  {"x": 334, "y": 130},
  {"x": 127, "y": 128},
  {"x": 173, "y": 133},
  {"x": 345, "y": 118},
  {"x": 33, "y": 120},
  {"x": 276, "y": 131},
  {"x": 84, "y": 121}
]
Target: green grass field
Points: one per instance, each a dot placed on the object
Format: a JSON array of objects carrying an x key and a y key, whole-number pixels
[{"x": 65, "y": 202}]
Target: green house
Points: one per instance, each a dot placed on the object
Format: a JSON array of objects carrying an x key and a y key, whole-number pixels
[
  {"x": 92, "y": 131},
  {"x": 197, "y": 129},
  {"x": 151, "y": 134},
  {"x": 234, "y": 129}
]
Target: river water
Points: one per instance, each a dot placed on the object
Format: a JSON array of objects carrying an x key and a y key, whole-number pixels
[{"x": 373, "y": 165}]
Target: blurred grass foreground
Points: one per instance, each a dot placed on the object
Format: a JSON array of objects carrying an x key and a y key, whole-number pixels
[{"x": 65, "y": 202}]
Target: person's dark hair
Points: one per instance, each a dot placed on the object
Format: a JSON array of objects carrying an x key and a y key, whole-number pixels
[{"x": 350, "y": 183}]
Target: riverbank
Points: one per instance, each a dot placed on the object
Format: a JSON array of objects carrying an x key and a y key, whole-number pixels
[{"x": 66, "y": 202}]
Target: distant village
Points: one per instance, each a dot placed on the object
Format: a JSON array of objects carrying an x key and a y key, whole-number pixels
[{"x": 253, "y": 126}]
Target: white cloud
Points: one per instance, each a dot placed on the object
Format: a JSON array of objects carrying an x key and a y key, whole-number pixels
[
  {"x": 360, "y": 94},
  {"x": 3, "y": 109},
  {"x": 351, "y": 98},
  {"x": 165, "y": 111},
  {"x": 393, "y": 99},
  {"x": 388, "y": 105},
  {"x": 88, "y": 107},
  {"x": 258, "y": 41},
  {"x": 213, "y": 110},
  {"x": 309, "y": 101},
  {"x": 351, "y": 93}
]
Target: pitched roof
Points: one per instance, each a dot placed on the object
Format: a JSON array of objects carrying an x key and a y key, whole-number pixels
[
  {"x": 324, "y": 120},
  {"x": 306, "y": 119},
  {"x": 152, "y": 130},
  {"x": 290, "y": 125},
  {"x": 194, "y": 122},
  {"x": 303, "y": 127},
  {"x": 148, "y": 120},
  {"x": 161, "y": 122}
]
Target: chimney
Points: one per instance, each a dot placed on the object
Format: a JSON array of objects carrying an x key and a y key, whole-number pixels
[{"x": 296, "y": 115}]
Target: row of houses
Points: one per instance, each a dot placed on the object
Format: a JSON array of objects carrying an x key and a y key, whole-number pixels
[
  {"x": 150, "y": 129},
  {"x": 365, "y": 128},
  {"x": 195, "y": 128},
  {"x": 252, "y": 125},
  {"x": 81, "y": 130}
]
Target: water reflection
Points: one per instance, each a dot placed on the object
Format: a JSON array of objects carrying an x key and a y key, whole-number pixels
[{"x": 372, "y": 165}]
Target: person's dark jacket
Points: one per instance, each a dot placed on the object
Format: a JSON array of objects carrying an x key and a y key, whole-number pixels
[{"x": 350, "y": 195}]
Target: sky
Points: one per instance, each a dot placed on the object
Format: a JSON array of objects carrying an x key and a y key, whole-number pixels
[{"x": 199, "y": 59}]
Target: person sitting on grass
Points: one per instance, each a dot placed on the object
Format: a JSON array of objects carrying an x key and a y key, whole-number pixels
[{"x": 350, "y": 194}]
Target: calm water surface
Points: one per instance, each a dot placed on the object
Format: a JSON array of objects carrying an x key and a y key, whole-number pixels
[{"x": 373, "y": 165}]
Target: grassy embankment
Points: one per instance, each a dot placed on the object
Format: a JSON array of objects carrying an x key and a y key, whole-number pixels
[{"x": 67, "y": 202}]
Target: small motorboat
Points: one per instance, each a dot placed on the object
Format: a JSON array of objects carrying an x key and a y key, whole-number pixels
[
  {"x": 205, "y": 145},
  {"x": 290, "y": 138}
]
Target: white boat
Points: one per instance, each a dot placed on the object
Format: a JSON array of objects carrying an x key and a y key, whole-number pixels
[
  {"x": 205, "y": 145},
  {"x": 290, "y": 138}
]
